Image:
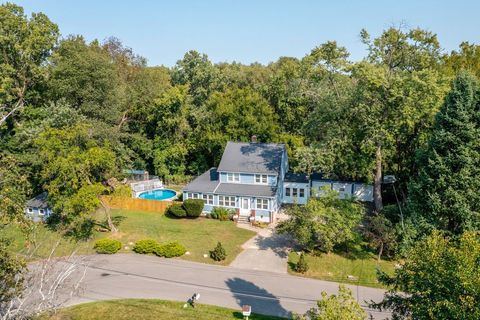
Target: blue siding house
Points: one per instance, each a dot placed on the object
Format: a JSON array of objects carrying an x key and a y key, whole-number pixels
[
  {"x": 38, "y": 208},
  {"x": 253, "y": 179}
]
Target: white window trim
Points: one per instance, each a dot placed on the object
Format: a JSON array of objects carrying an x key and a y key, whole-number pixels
[
  {"x": 30, "y": 210},
  {"x": 260, "y": 204},
  {"x": 208, "y": 199},
  {"x": 222, "y": 201},
  {"x": 233, "y": 177},
  {"x": 41, "y": 212},
  {"x": 261, "y": 178},
  {"x": 289, "y": 193},
  {"x": 300, "y": 192}
]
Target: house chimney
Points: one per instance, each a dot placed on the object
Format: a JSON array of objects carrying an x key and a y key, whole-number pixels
[{"x": 254, "y": 139}]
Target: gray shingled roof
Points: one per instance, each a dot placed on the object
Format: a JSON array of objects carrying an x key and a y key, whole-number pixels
[
  {"x": 39, "y": 201},
  {"x": 252, "y": 157},
  {"x": 207, "y": 182},
  {"x": 236, "y": 189}
]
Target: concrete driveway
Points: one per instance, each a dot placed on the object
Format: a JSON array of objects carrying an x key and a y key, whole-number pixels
[
  {"x": 267, "y": 251},
  {"x": 122, "y": 276}
]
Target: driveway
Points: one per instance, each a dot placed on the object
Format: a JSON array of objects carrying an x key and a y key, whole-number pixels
[
  {"x": 267, "y": 251},
  {"x": 141, "y": 276}
]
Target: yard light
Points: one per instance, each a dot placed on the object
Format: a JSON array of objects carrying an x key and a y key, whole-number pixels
[{"x": 246, "y": 311}]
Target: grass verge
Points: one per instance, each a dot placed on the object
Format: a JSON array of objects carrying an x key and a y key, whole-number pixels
[
  {"x": 146, "y": 309},
  {"x": 339, "y": 268}
]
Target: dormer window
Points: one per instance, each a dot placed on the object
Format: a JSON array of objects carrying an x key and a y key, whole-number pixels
[
  {"x": 233, "y": 177},
  {"x": 261, "y": 178}
]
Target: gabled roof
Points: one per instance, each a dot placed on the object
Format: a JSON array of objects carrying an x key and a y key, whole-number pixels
[
  {"x": 252, "y": 157},
  {"x": 39, "y": 201}
]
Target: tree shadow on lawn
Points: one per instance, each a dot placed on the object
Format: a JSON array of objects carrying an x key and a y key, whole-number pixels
[{"x": 261, "y": 301}]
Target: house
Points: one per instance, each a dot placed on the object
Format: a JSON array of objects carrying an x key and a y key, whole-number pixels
[
  {"x": 37, "y": 208},
  {"x": 253, "y": 179},
  {"x": 249, "y": 178}
]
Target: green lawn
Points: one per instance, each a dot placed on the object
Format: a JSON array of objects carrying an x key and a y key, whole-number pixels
[
  {"x": 197, "y": 235},
  {"x": 335, "y": 267},
  {"x": 142, "y": 309}
]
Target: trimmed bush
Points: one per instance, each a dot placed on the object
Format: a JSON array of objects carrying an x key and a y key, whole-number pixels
[
  {"x": 177, "y": 210},
  {"x": 222, "y": 214},
  {"x": 146, "y": 246},
  {"x": 218, "y": 254},
  {"x": 170, "y": 250},
  {"x": 193, "y": 207},
  {"x": 301, "y": 266},
  {"x": 107, "y": 246}
]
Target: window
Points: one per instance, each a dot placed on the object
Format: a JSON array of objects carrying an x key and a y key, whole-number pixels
[
  {"x": 208, "y": 199},
  {"x": 295, "y": 192},
  {"x": 233, "y": 177},
  {"x": 287, "y": 192},
  {"x": 262, "y": 204},
  {"x": 226, "y": 201},
  {"x": 302, "y": 193},
  {"x": 261, "y": 178},
  {"x": 30, "y": 210},
  {"x": 41, "y": 212},
  {"x": 192, "y": 195}
]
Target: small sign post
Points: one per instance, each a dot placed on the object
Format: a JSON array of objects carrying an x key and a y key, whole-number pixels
[{"x": 246, "y": 311}]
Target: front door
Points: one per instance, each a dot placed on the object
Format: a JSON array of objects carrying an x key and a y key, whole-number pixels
[{"x": 245, "y": 206}]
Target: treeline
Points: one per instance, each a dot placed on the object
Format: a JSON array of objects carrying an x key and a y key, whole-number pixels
[{"x": 76, "y": 113}]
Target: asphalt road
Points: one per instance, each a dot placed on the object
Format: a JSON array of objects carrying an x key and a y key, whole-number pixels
[{"x": 141, "y": 276}]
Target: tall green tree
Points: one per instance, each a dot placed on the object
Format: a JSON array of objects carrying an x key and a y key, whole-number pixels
[
  {"x": 75, "y": 164},
  {"x": 445, "y": 194},
  {"x": 198, "y": 72},
  {"x": 323, "y": 223},
  {"x": 438, "y": 280},
  {"x": 25, "y": 43}
]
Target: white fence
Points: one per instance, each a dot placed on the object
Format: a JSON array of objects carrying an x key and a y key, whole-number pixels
[{"x": 147, "y": 185}]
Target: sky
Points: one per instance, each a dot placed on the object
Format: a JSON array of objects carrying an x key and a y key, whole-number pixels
[{"x": 250, "y": 31}]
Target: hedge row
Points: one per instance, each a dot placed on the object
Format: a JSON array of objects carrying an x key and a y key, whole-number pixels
[
  {"x": 191, "y": 208},
  {"x": 167, "y": 250}
]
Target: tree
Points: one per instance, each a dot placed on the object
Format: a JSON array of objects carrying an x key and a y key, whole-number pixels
[
  {"x": 335, "y": 307},
  {"x": 445, "y": 194},
  {"x": 323, "y": 223},
  {"x": 438, "y": 280},
  {"x": 26, "y": 44},
  {"x": 86, "y": 76},
  {"x": 302, "y": 265},
  {"x": 74, "y": 166},
  {"x": 380, "y": 233},
  {"x": 198, "y": 72},
  {"x": 12, "y": 277}
]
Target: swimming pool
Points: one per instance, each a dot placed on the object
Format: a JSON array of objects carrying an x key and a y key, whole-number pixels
[{"x": 159, "y": 194}]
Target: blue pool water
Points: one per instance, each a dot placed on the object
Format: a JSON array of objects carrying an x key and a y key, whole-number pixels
[{"x": 159, "y": 194}]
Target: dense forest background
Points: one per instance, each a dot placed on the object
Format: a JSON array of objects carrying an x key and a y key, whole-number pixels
[{"x": 76, "y": 113}]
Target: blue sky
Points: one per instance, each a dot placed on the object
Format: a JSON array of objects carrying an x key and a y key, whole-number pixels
[{"x": 253, "y": 31}]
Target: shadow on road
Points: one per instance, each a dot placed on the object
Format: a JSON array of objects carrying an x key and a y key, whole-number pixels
[{"x": 262, "y": 301}]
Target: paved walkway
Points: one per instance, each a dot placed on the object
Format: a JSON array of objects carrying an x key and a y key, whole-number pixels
[
  {"x": 266, "y": 251},
  {"x": 141, "y": 276}
]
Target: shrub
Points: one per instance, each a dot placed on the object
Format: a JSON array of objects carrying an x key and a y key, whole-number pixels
[
  {"x": 107, "y": 246},
  {"x": 170, "y": 250},
  {"x": 146, "y": 246},
  {"x": 177, "y": 210},
  {"x": 301, "y": 266},
  {"x": 193, "y": 207},
  {"x": 222, "y": 214},
  {"x": 218, "y": 254}
]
